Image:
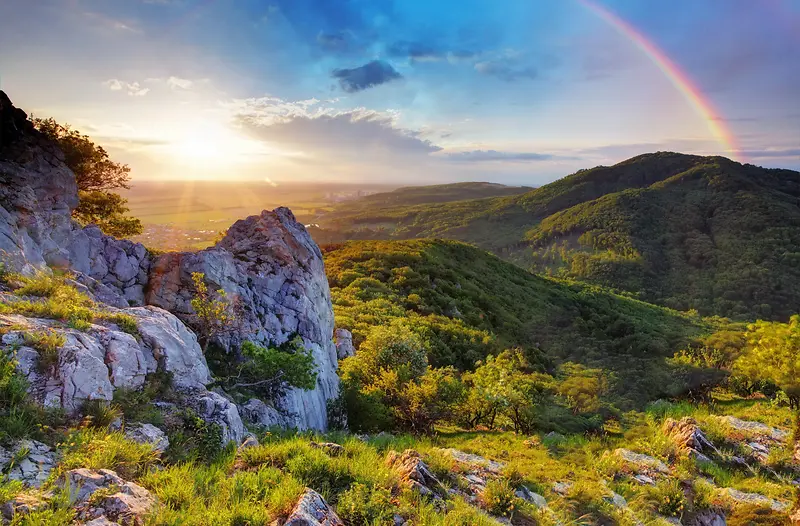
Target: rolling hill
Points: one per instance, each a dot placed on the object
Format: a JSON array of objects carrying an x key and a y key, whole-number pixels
[
  {"x": 467, "y": 303},
  {"x": 684, "y": 231}
]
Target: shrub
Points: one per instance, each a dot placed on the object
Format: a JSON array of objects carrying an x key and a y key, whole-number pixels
[
  {"x": 498, "y": 498},
  {"x": 100, "y": 414},
  {"x": 364, "y": 506}
]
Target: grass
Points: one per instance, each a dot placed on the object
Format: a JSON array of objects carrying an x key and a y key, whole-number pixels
[
  {"x": 47, "y": 343},
  {"x": 52, "y": 296}
]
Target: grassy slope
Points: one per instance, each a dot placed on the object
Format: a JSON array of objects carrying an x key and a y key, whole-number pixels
[
  {"x": 684, "y": 231},
  {"x": 468, "y": 303}
]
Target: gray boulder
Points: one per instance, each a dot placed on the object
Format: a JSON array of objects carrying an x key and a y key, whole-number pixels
[
  {"x": 35, "y": 461},
  {"x": 147, "y": 434},
  {"x": 312, "y": 510},
  {"x": 344, "y": 343},
  {"x": 273, "y": 270}
]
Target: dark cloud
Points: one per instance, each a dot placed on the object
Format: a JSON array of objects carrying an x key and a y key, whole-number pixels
[
  {"x": 351, "y": 135},
  {"x": 506, "y": 70},
  {"x": 494, "y": 155},
  {"x": 367, "y": 76},
  {"x": 417, "y": 51}
]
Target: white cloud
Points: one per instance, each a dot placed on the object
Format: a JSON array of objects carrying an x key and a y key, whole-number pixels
[
  {"x": 134, "y": 89},
  {"x": 177, "y": 83}
]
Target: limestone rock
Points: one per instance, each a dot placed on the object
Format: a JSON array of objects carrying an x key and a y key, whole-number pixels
[
  {"x": 101, "y": 521},
  {"x": 249, "y": 441},
  {"x": 22, "y": 504},
  {"x": 126, "y": 502},
  {"x": 755, "y": 499},
  {"x": 217, "y": 409},
  {"x": 256, "y": 412},
  {"x": 534, "y": 498},
  {"x": 642, "y": 463},
  {"x": 312, "y": 510},
  {"x": 478, "y": 461},
  {"x": 273, "y": 270},
  {"x": 414, "y": 472},
  {"x": 708, "y": 518},
  {"x": 32, "y": 468},
  {"x": 344, "y": 343},
  {"x": 148, "y": 434},
  {"x": 688, "y": 435},
  {"x": 756, "y": 428},
  {"x": 92, "y": 365}
]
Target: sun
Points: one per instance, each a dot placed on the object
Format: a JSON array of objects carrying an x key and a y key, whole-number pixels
[{"x": 209, "y": 144}]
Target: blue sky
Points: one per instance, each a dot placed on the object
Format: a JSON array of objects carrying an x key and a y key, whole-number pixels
[{"x": 409, "y": 91}]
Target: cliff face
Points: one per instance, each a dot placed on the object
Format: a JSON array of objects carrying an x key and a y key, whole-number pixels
[{"x": 267, "y": 263}]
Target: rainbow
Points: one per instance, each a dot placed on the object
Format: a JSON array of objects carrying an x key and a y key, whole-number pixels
[{"x": 715, "y": 122}]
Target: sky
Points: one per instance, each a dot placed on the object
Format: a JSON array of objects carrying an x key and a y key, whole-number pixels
[{"x": 408, "y": 91}]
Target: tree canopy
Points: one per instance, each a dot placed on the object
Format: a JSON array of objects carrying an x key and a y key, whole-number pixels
[{"x": 96, "y": 175}]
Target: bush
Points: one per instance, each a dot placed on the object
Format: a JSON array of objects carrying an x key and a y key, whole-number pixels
[
  {"x": 97, "y": 449},
  {"x": 364, "y": 506},
  {"x": 47, "y": 343},
  {"x": 498, "y": 498}
]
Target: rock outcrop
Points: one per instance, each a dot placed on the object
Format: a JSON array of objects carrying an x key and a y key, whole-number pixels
[
  {"x": 33, "y": 462},
  {"x": 92, "y": 364},
  {"x": 415, "y": 473},
  {"x": 267, "y": 263},
  {"x": 273, "y": 270}
]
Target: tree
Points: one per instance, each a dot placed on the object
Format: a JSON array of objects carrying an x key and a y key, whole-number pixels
[
  {"x": 212, "y": 316},
  {"x": 774, "y": 356},
  {"x": 96, "y": 175},
  {"x": 582, "y": 387},
  {"x": 504, "y": 389}
]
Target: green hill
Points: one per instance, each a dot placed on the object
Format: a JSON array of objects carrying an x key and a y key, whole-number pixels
[
  {"x": 467, "y": 303},
  {"x": 439, "y": 193},
  {"x": 683, "y": 231}
]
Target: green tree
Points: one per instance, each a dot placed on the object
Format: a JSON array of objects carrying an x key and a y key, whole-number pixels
[
  {"x": 212, "y": 316},
  {"x": 774, "y": 356},
  {"x": 96, "y": 175},
  {"x": 503, "y": 389},
  {"x": 583, "y": 387}
]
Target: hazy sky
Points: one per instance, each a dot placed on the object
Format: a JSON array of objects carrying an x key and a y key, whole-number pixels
[{"x": 513, "y": 91}]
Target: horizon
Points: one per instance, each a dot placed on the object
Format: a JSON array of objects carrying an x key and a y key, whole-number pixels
[{"x": 313, "y": 91}]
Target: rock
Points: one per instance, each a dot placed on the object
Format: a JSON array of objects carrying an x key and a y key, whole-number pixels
[
  {"x": 34, "y": 462},
  {"x": 529, "y": 496},
  {"x": 554, "y": 437},
  {"x": 22, "y": 504},
  {"x": 125, "y": 502},
  {"x": 644, "y": 480},
  {"x": 148, "y": 434},
  {"x": 642, "y": 462},
  {"x": 708, "y": 518},
  {"x": 756, "y": 428},
  {"x": 330, "y": 448},
  {"x": 688, "y": 436},
  {"x": 173, "y": 346},
  {"x": 257, "y": 412},
  {"x": 414, "y": 473},
  {"x": 760, "y": 451},
  {"x": 562, "y": 488},
  {"x": 344, "y": 343},
  {"x": 312, "y": 510},
  {"x": 755, "y": 499},
  {"x": 398, "y": 520},
  {"x": 92, "y": 365},
  {"x": 491, "y": 466},
  {"x": 101, "y": 521},
  {"x": 216, "y": 409},
  {"x": 273, "y": 270},
  {"x": 249, "y": 441}
]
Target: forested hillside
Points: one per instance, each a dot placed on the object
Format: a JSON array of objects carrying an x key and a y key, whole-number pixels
[
  {"x": 683, "y": 231},
  {"x": 467, "y": 304}
]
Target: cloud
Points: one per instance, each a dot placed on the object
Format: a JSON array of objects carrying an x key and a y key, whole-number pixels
[
  {"x": 771, "y": 153},
  {"x": 505, "y": 70},
  {"x": 333, "y": 41},
  {"x": 496, "y": 156},
  {"x": 367, "y": 76},
  {"x": 177, "y": 83},
  {"x": 134, "y": 89},
  {"x": 318, "y": 131},
  {"x": 425, "y": 52}
]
